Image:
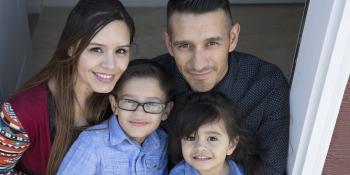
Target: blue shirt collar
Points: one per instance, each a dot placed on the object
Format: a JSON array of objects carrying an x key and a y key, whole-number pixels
[{"x": 117, "y": 136}]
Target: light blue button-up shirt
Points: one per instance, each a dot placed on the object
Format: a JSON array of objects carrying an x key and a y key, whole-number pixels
[
  {"x": 106, "y": 149},
  {"x": 184, "y": 168}
]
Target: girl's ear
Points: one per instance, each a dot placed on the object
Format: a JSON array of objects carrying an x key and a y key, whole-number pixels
[
  {"x": 167, "y": 110},
  {"x": 233, "y": 145},
  {"x": 113, "y": 103}
]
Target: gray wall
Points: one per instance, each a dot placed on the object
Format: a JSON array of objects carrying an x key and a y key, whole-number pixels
[{"x": 15, "y": 46}]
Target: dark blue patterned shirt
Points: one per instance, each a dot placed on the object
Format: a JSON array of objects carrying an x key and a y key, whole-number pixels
[{"x": 261, "y": 91}]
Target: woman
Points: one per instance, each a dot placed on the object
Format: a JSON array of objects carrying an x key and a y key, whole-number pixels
[{"x": 41, "y": 121}]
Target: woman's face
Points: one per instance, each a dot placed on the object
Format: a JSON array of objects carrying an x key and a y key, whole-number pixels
[{"x": 104, "y": 60}]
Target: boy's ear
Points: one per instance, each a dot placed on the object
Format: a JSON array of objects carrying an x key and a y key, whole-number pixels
[
  {"x": 113, "y": 103},
  {"x": 232, "y": 146},
  {"x": 167, "y": 111}
]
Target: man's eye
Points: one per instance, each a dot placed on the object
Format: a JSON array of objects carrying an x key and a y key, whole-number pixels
[
  {"x": 212, "y": 43},
  {"x": 212, "y": 139},
  {"x": 184, "y": 46},
  {"x": 96, "y": 49},
  {"x": 189, "y": 138}
]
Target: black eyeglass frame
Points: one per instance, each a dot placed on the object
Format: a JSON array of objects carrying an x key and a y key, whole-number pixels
[{"x": 141, "y": 104}]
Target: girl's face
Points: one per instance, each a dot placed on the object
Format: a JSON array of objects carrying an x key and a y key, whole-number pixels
[
  {"x": 206, "y": 150},
  {"x": 104, "y": 60},
  {"x": 138, "y": 124}
]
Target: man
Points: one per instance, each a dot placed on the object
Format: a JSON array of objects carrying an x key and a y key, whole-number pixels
[{"x": 201, "y": 39}]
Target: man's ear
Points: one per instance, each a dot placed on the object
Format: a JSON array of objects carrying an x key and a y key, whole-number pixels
[
  {"x": 167, "y": 110},
  {"x": 167, "y": 41},
  {"x": 232, "y": 146},
  {"x": 234, "y": 35},
  {"x": 113, "y": 103}
]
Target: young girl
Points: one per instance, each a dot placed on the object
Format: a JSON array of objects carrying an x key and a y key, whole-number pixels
[
  {"x": 129, "y": 142},
  {"x": 211, "y": 141}
]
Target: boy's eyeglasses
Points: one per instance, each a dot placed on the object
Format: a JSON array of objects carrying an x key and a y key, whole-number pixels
[{"x": 148, "y": 107}]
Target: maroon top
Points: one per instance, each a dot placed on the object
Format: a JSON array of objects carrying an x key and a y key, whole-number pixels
[{"x": 31, "y": 108}]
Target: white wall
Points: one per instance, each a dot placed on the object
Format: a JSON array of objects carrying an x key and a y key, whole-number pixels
[
  {"x": 15, "y": 46},
  {"x": 162, "y": 3}
]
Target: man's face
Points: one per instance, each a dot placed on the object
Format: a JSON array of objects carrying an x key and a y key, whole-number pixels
[{"x": 200, "y": 44}]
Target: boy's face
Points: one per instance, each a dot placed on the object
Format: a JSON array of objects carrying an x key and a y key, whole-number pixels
[
  {"x": 138, "y": 124},
  {"x": 206, "y": 150}
]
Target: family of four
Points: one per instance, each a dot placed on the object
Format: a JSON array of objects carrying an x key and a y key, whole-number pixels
[{"x": 203, "y": 108}]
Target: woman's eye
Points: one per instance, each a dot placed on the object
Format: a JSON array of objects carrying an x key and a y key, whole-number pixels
[
  {"x": 121, "y": 51},
  {"x": 212, "y": 139},
  {"x": 96, "y": 49}
]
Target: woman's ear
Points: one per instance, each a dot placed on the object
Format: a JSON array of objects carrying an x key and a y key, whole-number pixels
[
  {"x": 70, "y": 51},
  {"x": 233, "y": 145},
  {"x": 113, "y": 103},
  {"x": 167, "y": 110}
]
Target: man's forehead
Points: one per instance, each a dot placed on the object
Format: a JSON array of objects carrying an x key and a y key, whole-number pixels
[
  {"x": 198, "y": 27},
  {"x": 184, "y": 21}
]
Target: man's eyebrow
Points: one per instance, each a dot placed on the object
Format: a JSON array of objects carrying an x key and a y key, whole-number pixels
[
  {"x": 176, "y": 43},
  {"x": 217, "y": 38}
]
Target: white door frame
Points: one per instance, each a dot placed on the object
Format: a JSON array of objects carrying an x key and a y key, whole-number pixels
[{"x": 320, "y": 77}]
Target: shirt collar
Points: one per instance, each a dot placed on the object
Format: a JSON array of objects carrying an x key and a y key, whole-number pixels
[
  {"x": 116, "y": 133},
  {"x": 117, "y": 136}
]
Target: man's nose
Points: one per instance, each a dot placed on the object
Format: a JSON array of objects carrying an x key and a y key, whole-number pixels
[{"x": 199, "y": 60}]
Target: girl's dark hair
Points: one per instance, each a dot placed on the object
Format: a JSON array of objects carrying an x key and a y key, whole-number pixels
[
  {"x": 145, "y": 68},
  {"x": 86, "y": 19},
  {"x": 207, "y": 107},
  {"x": 197, "y": 7}
]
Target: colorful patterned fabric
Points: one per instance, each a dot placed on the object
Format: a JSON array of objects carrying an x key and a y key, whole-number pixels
[{"x": 13, "y": 140}]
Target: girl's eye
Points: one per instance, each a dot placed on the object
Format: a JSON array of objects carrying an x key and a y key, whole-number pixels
[
  {"x": 189, "y": 138},
  {"x": 96, "y": 49},
  {"x": 121, "y": 51},
  {"x": 212, "y": 139}
]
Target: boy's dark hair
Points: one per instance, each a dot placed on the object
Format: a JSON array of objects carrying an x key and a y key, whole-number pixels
[
  {"x": 197, "y": 7},
  {"x": 207, "y": 107},
  {"x": 145, "y": 68}
]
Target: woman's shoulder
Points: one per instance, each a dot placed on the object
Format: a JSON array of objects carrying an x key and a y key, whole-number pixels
[
  {"x": 30, "y": 105},
  {"x": 31, "y": 100}
]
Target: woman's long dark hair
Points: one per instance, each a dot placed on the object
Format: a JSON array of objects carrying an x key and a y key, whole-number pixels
[
  {"x": 207, "y": 107},
  {"x": 86, "y": 19}
]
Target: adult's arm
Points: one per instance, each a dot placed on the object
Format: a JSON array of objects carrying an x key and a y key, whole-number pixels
[
  {"x": 14, "y": 141},
  {"x": 273, "y": 133}
]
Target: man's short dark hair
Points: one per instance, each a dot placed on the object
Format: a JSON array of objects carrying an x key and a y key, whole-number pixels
[{"x": 197, "y": 7}]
